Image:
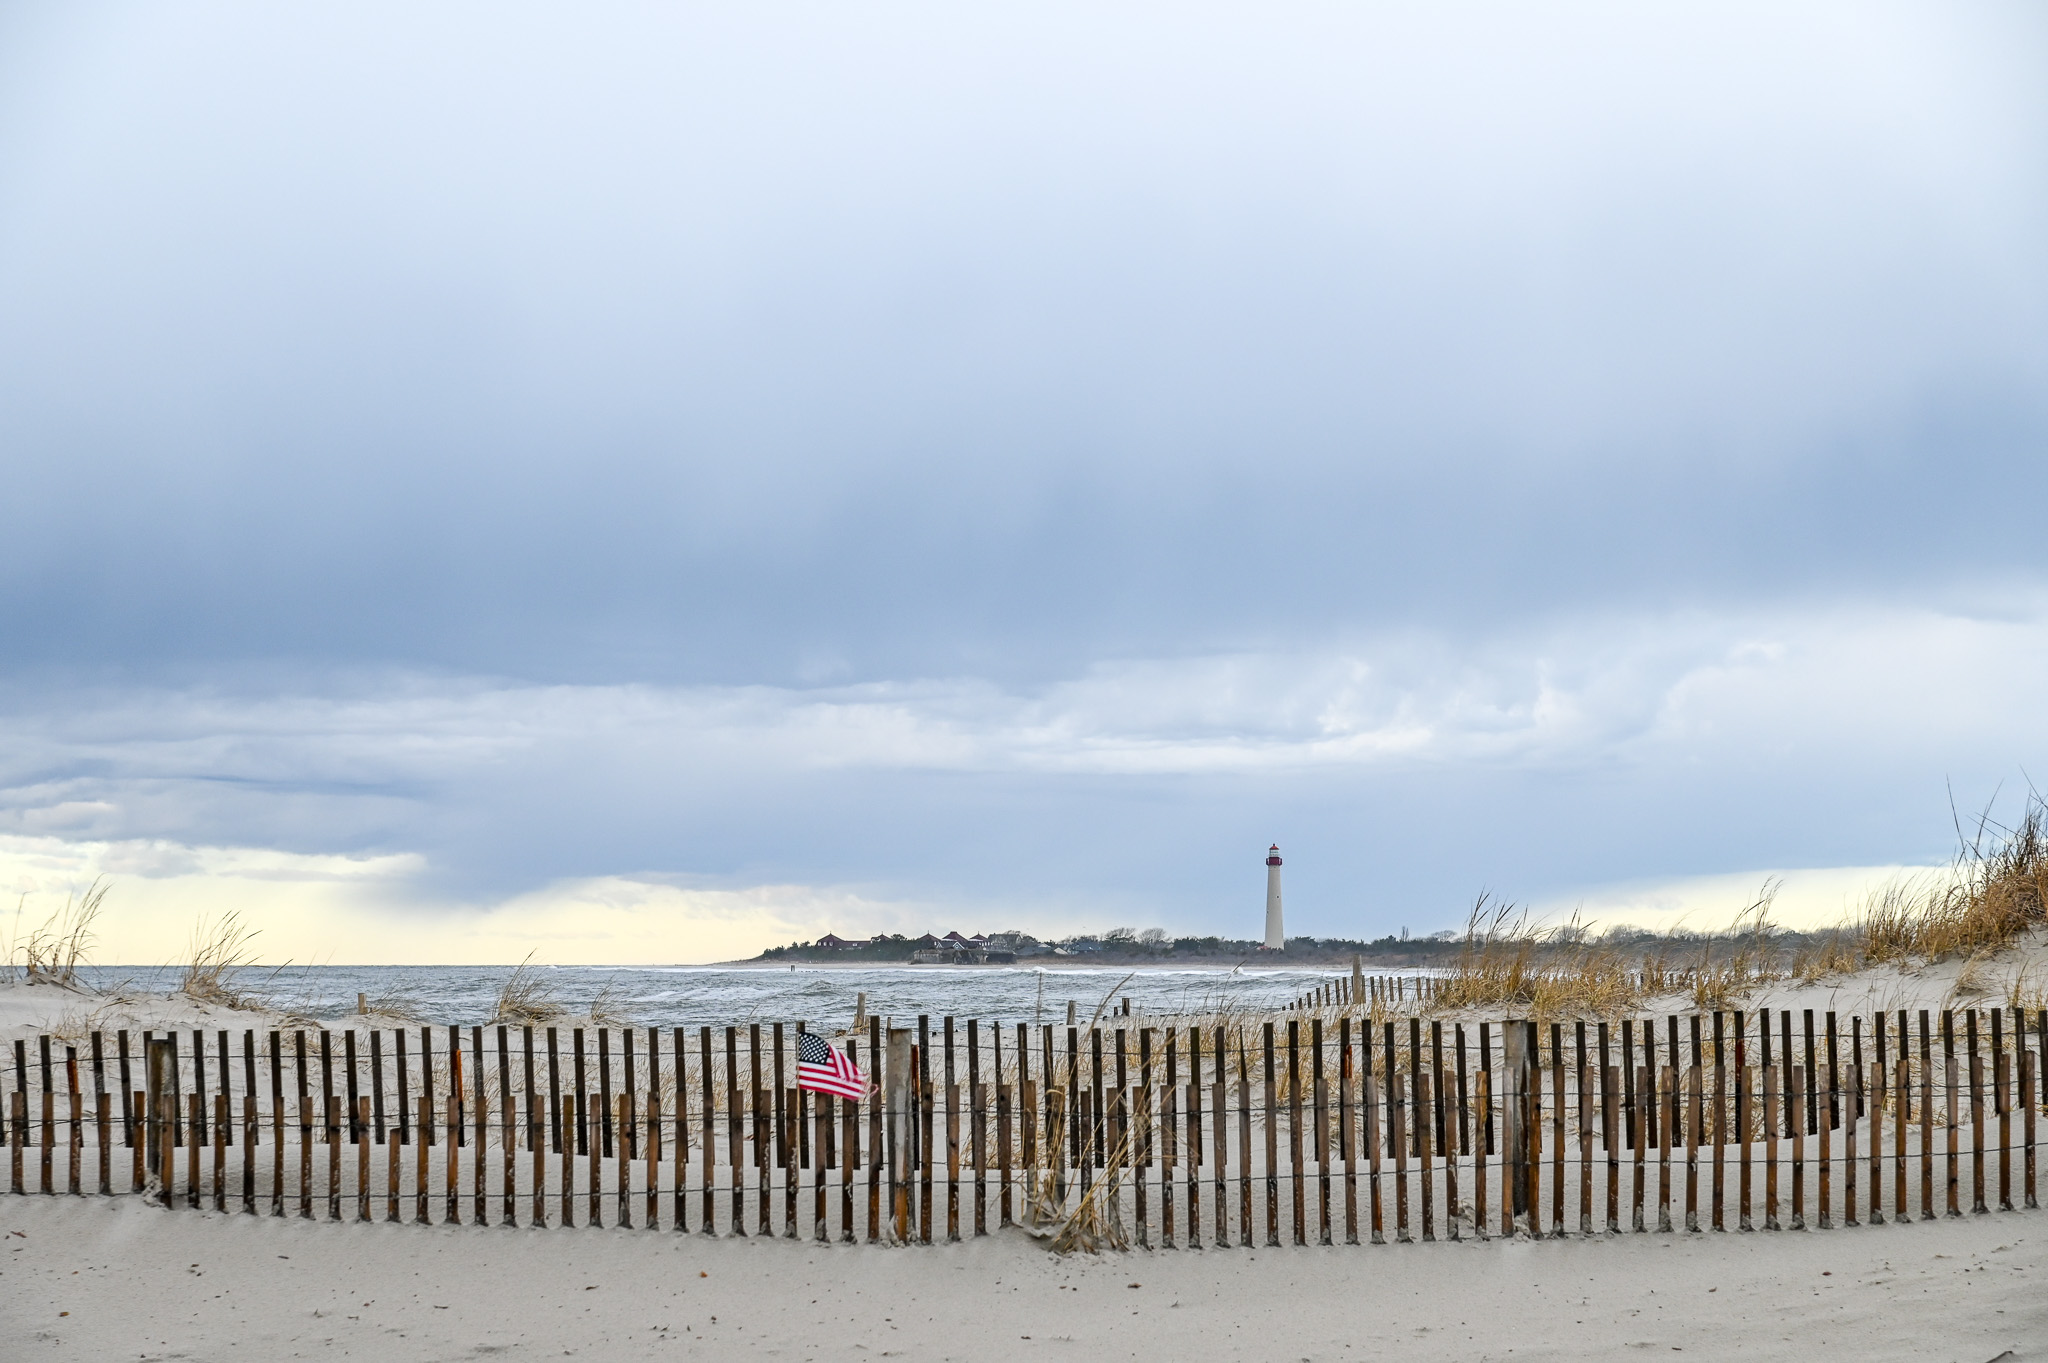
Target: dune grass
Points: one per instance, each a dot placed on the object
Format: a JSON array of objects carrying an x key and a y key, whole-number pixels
[
  {"x": 221, "y": 950},
  {"x": 1994, "y": 894},
  {"x": 396, "y": 1004},
  {"x": 609, "y": 1007},
  {"x": 53, "y": 952},
  {"x": 526, "y": 998},
  {"x": 1510, "y": 964}
]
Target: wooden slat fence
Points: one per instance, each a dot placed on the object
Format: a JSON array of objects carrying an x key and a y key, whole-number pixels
[
  {"x": 1372, "y": 991},
  {"x": 1333, "y": 1123},
  {"x": 1407, "y": 991}
]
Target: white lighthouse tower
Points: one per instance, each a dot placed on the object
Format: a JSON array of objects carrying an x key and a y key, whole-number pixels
[{"x": 1276, "y": 933}]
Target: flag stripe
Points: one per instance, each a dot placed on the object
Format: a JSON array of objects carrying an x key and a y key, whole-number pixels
[{"x": 821, "y": 1068}]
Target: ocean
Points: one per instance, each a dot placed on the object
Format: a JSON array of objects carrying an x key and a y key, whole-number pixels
[{"x": 691, "y": 996}]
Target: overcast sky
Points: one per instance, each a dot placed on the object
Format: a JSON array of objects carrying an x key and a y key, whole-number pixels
[{"x": 764, "y": 468}]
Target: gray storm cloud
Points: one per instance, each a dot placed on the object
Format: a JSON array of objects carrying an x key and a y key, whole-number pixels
[{"x": 1181, "y": 421}]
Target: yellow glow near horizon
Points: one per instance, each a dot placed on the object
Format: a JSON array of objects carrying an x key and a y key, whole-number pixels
[
  {"x": 321, "y": 910},
  {"x": 1806, "y": 899}
]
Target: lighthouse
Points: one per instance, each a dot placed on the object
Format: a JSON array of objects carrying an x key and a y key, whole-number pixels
[{"x": 1276, "y": 934}]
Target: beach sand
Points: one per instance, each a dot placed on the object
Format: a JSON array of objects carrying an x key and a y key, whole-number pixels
[
  {"x": 102, "y": 1279},
  {"x": 143, "y": 1283}
]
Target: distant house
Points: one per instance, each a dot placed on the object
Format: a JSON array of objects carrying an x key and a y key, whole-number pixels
[
  {"x": 833, "y": 942},
  {"x": 957, "y": 949}
]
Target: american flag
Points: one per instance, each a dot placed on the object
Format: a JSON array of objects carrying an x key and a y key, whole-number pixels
[{"x": 821, "y": 1069}]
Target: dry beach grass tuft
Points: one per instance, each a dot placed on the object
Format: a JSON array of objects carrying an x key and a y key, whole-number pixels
[
  {"x": 527, "y": 998},
  {"x": 53, "y": 952},
  {"x": 1995, "y": 893},
  {"x": 1987, "y": 903},
  {"x": 221, "y": 950}
]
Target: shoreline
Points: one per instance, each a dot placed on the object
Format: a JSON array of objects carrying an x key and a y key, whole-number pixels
[
  {"x": 1030, "y": 963},
  {"x": 1060, "y": 963},
  {"x": 113, "y": 997}
]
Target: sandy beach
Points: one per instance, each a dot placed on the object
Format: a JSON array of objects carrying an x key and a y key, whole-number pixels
[{"x": 103, "y": 1279}]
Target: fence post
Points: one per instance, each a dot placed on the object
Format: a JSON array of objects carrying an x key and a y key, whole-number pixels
[
  {"x": 1518, "y": 1083},
  {"x": 896, "y": 1076},
  {"x": 157, "y": 1062}
]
